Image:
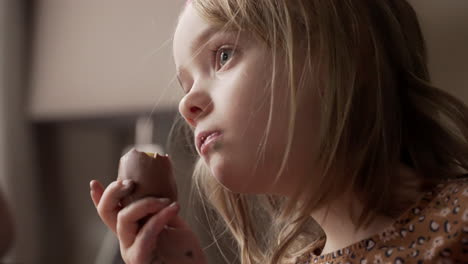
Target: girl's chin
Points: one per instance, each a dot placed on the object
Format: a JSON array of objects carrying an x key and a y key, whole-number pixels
[
  {"x": 228, "y": 180},
  {"x": 233, "y": 177},
  {"x": 237, "y": 184}
]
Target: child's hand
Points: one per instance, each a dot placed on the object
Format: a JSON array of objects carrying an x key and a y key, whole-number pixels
[{"x": 163, "y": 237}]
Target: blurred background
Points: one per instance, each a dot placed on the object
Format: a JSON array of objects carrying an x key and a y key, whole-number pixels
[{"x": 80, "y": 81}]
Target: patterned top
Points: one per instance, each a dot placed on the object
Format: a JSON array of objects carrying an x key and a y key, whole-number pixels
[{"x": 434, "y": 230}]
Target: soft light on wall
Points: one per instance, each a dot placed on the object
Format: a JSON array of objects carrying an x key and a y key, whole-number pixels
[
  {"x": 110, "y": 57},
  {"x": 445, "y": 27},
  {"x": 106, "y": 57}
]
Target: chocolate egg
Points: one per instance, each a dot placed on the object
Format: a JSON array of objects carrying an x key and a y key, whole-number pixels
[{"x": 152, "y": 174}]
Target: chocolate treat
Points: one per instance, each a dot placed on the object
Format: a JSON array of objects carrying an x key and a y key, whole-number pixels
[{"x": 152, "y": 174}]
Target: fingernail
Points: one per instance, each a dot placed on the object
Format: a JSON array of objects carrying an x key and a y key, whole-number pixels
[
  {"x": 174, "y": 204},
  {"x": 164, "y": 200},
  {"x": 127, "y": 183}
]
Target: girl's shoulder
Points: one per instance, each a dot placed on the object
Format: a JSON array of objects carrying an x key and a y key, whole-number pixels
[
  {"x": 449, "y": 194},
  {"x": 437, "y": 227},
  {"x": 433, "y": 229}
]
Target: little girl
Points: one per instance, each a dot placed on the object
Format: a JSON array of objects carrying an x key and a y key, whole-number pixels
[{"x": 321, "y": 139}]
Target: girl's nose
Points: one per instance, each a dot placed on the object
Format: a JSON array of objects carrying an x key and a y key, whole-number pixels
[{"x": 194, "y": 106}]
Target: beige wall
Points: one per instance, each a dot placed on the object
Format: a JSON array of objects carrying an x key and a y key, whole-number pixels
[
  {"x": 445, "y": 26},
  {"x": 114, "y": 56},
  {"x": 103, "y": 57}
]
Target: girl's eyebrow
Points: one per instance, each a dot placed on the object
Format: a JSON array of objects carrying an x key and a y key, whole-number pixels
[
  {"x": 207, "y": 35},
  {"x": 202, "y": 38},
  {"x": 194, "y": 46}
]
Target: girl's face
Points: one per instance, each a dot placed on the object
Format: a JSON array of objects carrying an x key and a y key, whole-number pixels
[{"x": 226, "y": 77}]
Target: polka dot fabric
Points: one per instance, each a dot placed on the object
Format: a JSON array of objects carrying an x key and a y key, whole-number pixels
[{"x": 434, "y": 230}]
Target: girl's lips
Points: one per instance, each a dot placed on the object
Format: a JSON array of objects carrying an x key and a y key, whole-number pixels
[{"x": 208, "y": 141}]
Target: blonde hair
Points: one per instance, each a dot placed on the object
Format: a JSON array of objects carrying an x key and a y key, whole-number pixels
[{"x": 373, "y": 62}]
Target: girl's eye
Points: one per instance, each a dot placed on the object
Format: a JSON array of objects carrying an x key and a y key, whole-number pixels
[{"x": 224, "y": 55}]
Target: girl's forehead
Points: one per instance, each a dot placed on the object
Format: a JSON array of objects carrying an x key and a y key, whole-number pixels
[{"x": 191, "y": 31}]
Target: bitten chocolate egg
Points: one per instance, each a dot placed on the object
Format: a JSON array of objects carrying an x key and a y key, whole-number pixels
[{"x": 152, "y": 174}]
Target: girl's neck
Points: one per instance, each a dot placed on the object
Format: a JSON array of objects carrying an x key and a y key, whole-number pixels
[{"x": 340, "y": 229}]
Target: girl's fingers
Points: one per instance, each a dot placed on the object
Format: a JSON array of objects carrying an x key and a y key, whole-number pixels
[
  {"x": 128, "y": 219},
  {"x": 108, "y": 206},
  {"x": 96, "y": 190},
  {"x": 178, "y": 223},
  {"x": 147, "y": 238}
]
